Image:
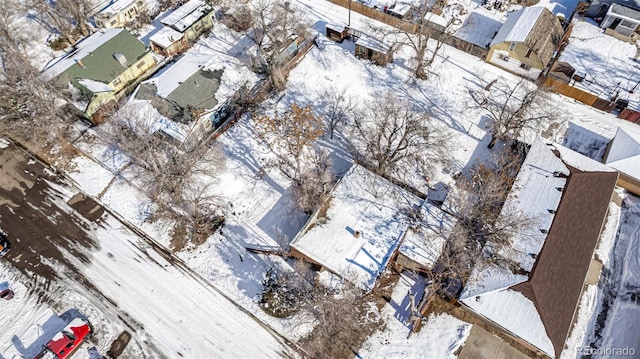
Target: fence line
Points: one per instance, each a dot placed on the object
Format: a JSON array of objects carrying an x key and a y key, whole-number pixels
[{"x": 377, "y": 15}]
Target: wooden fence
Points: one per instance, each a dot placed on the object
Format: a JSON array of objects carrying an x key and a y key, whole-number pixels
[
  {"x": 433, "y": 31},
  {"x": 570, "y": 91},
  {"x": 377, "y": 15}
]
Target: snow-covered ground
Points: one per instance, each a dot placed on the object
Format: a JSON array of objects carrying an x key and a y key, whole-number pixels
[
  {"x": 615, "y": 324},
  {"x": 608, "y": 65},
  {"x": 440, "y": 337},
  {"x": 259, "y": 209}
]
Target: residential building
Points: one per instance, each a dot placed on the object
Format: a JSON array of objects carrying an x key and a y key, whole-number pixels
[
  {"x": 526, "y": 42},
  {"x": 119, "y": 12},
  {"x": 366, "y": 226},
  {"x": 531, "y": 288},
  {"x": 622, "y": 19},
  {"x": 101, "y": 67},
  {"x": 183, "y": 27},
  {"x": 623, "y": 154}
]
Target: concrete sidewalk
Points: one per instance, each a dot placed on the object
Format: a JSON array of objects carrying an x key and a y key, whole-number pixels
[{"x": 483, "y": 345}]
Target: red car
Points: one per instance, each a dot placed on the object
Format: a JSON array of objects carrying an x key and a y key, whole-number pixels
[{"x": 66, "y": 341}]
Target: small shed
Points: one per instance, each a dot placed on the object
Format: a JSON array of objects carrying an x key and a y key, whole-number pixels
[
  {"x": 168, "y": 42},
  {"x": 622, "y": 19},
  {"x": 373, "y": 49},
  {"x": 336, "y": 32}
]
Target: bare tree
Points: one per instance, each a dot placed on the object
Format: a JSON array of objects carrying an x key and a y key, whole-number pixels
[
  {"x": 426, "y": 42},
  {"x": 67, "y": 17},
  {"x": 514, "y": 109},
  {"x": 168, "y": 4},
  {"x": 275, "y": 25},
  {"x": 339, "y": 108},
  {"x": 482, "y": 220},
  {"x": 177, "y": 181},
  {"x": 390, "y": 135},
  {"x": 291, "y": 136},
  {"x": 25, "y": 97}
]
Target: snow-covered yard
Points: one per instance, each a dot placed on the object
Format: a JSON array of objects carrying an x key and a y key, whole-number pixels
[
  {"x": 259, "y": 208},
  {"x": 609, "y": 66}
]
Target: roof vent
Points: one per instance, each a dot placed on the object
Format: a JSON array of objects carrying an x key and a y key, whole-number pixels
[
  {"x": 552, "y": 211},
  {"x": 121, "y": 59},
  {"x": 544, "y": 231},
  {"x": 559, "y": 189}
]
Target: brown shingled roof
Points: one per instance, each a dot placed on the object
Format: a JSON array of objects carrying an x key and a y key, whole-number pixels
[
  {"x": 545, "y": 36},
  {"x": 555, "y": 283}
]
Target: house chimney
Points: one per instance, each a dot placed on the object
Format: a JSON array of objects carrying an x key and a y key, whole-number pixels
[{"x": 356, "y": 234}]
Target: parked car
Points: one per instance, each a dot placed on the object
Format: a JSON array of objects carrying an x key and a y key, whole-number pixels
[
  {"x": 67, "y": 341},
  {"x": 6, "y": 292},
  {"x": 5, "y": 246}
]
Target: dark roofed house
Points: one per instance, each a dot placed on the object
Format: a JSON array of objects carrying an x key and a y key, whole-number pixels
[{"x": 569, "y": 196}]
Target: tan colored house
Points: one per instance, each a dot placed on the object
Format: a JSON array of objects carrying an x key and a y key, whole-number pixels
[
  {"x": 102, "y": 67},
  {"x": 623, "y": 154},
  {"x": 191, "y": 19},
  {"x": 168, "y": 42},
  {"x": 119, "y": 12},
  {"x": 182, "y": 27},
  {"x": 526, "y": 42},
  {"x": 370, "y": 48}
]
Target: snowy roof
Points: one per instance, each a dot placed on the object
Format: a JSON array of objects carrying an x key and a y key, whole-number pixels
[
  {"x": 187, "y": 14},
  {"x": 82, "y": 49},
  {"x": 365, "y": 203},
  {"x": 518, "y": 25},
  {"x": 337, "y": 28},
  {"x": 436, "y": 19},
  {"x": 624, "y": 154},
  {"x": 95, "y": 86},
  {"x": 560, "y": 7},
  {"x": 115, "y": 7},
  {"x": 478, "y": 29},
  {"x": 176, "y": 74},
  {"x": 512, "y": 310},
  {"x": 579, "y": 161},
  {"x": 606, "y": 63},
  {"x": 373, "y": 43},
  {"x": 166, "y": 37},
  {"x": 533, "y": 194},
  {"x": 555, "y": 264},
  {"x": 424, "y": 244},
  {"x": 624, "y": 12}
]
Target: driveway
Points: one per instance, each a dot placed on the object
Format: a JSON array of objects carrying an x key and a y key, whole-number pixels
[{"x": 483, "y": 345}]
